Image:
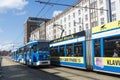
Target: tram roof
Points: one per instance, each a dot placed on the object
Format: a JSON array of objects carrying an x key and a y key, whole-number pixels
[
  {"x": 106, "y": 27},
  {"x": 36, "y": 42}
]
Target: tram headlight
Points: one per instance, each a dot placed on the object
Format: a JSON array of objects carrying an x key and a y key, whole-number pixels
[{"x": 30, "y": 60}]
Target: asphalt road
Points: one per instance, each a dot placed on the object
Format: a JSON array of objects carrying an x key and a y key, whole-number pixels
[{"x": 15, "y": 71}]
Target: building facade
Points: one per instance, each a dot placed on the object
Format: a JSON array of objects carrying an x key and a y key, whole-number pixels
[
  {"x": 39, "y": 33},
  {"x": 84, "y": 15},
  {"x": 31, "y": 28}
]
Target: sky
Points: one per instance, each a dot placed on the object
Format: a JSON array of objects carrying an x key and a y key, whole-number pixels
[{"x": 14, "y": 13}]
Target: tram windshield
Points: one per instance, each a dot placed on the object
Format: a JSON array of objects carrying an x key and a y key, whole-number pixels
[
  {"x": 54, "y": 51},
  {"x": 44, "y": 46}
]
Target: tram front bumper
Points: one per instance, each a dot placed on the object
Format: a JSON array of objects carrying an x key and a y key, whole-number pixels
[{"x": 41, "y": 63}]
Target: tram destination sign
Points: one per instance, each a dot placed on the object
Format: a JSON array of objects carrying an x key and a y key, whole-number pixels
[{"x": 76, "y": 35}]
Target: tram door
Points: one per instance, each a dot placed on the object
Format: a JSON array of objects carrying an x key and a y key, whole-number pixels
[{"x": 97, "y": 53}]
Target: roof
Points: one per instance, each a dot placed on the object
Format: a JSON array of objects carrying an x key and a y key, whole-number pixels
[{"x": 36, "y": 42}]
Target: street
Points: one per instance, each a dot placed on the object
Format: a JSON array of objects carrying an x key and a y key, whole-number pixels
[{"x": 15, "y": 71}]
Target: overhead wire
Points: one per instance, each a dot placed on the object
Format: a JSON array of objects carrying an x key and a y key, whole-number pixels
[
  {"x": 50, "y": 8},
  {"x": 42, "y": 8}
]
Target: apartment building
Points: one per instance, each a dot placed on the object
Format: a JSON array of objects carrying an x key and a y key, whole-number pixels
[
  {"x": 30, "y": 28},
  {"x": 39, "y": 33},
  {"x": 115, "y": 10},
  {"x": 84, "y": 15}
]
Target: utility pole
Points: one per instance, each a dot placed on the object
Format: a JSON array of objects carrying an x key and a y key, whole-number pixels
[{"x": 61, "y": 28}]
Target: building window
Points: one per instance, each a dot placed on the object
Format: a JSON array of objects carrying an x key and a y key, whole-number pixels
[
  {"x": 65, "y": 26},
  {"x": 73, "y": 15},
  {"x": 80, "y": 28},
  {"x": 69, "y": 24},
  {"x": 102, "y": 20},
  {"x": 69, "y": 32},
  {"x": 113, "y": 6},
  {"x": 61, "y": 21},
  {"x": 79, "y": 11},
  {"x": 85, "y": 8},
  {"x": 93, "y": 4},
  {"x": 79, "y": 20},
  {"x": 74, "y": 23},
  {"x": 65, "y": 19},
  {"x": 101, "y": 1},
  {"x": 93, "y": 15},
  {"x": 69, "y": 17},
  {"x": 86, "y": 25},
  {"x": 113, "y": 17},
  {"x": 94, "y": 23},
  {"x": 101, "y": 11},
  {"x": 65, "y": 33},
  {"x": 74, "y": 30},
  {"x": 86, "y": 17},
  {"x": 54, "y": 36}
]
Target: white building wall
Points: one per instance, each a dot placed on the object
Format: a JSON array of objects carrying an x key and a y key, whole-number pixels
[
  {"x": 49, "y": 32},
  {"x": 86, "y": 15},
  {"x": 103, "y": 18},
  {"x": 34, "y": 35},
  {"x": 115, "y": 10},
  {"x": 81, "y": 16}
]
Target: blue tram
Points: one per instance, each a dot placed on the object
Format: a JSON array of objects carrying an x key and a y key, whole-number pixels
[
  {"x": 14, "y": 55},
  {"x": 21, "y": 53},
  {"x": 69, "y": 51},
  {"x": 96, "y": 49},
  {"x": 37, "y": 53},
  {"x": 106, "y": 48}
]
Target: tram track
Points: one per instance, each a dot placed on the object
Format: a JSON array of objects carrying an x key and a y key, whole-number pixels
[{"x": 16, "y": 71}]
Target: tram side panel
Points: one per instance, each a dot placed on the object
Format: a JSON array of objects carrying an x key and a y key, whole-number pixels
[
  {"x": 106, "y": 50},
  {"x": 70, "y": 52}
]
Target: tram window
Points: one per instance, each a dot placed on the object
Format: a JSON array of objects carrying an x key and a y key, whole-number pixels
[
  {"x": 54, "y": 51},
  {"x": 69, "y": 50},
  {"x": 16, "y": 52},
  {"x": 25, "y": 49},
  {"x": 44, "y": 46},
  {"x": 97, "y": 48},
  {"x": 112, "y": 46},
  {"x": 19, "y": 51},
  {"x": 78, "y": 49},
  {"x": 61, "y": 50},
  {"x": 35, "y": 48},
  {"x": 22, "y": 51}
]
